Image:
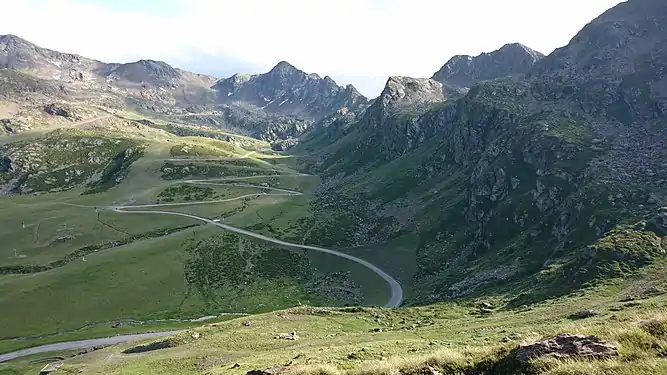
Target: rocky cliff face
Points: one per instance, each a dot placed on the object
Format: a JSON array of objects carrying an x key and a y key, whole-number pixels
[
  {"x": 521, "y": 181},
  {"x": 409, "y": 93},
  {"x": 466, "y": 71},
  {"x": 286, "y": 89},
  {"x": 615, "y": 66}
]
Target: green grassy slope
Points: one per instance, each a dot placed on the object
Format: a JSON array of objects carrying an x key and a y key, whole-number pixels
[
  {"x": 98, "y": 266},
  {"x": 450, "y": 337}
]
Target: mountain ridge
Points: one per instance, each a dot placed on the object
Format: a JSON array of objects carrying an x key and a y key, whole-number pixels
[
  {"x": 285, "y": 88},
  {"x": 537, "y": 166},
  {"x": 466, "y": 71},
  {"x": 239, "y": 103}
]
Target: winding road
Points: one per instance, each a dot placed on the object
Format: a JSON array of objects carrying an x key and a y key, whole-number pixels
[
  {"x": 82, "y": 344},
  {"x": 396, "y": 290}
]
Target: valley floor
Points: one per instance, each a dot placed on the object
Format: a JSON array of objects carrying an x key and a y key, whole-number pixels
[{"x": 118, "y": 262}]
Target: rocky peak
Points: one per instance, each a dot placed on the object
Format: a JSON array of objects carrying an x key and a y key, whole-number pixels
[
  {"x": 284, "y": 67},
  {"x": 392, "y": 120},
  {"x": 466, "y": 71},
  {"x": 286, "y": 89},
  {"x": 151, "y": 72},
  {"x": 402, "y": 92},
  {"x": 13, "y": 41},
  {"x": 18, "y": 53},
  {"x": 615, "y": 65}
]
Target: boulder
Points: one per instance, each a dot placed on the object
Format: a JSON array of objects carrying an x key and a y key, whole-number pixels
[
  {"x": 270, "y": 371},
  {"x": 567, "y": 346},
  {"x": 287, "y": 336},
  {"x": 56, "y": 110},
  {"x": 584, "y": 314}
]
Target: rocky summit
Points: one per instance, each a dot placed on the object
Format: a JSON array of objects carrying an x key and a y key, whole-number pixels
[
  {"x": 507, "y": 215},
  {"x": 286, "y": 89},
  {"x": 466, "y": 71}
]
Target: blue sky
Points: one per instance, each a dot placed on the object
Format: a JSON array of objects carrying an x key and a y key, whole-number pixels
[{"x": 361, "y": 42}]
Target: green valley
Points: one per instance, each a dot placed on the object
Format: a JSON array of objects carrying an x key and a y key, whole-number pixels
[{"x": 507, "y": 215}]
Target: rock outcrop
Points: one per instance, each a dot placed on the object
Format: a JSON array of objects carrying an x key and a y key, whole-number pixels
[{"x": 567, "y": 346}]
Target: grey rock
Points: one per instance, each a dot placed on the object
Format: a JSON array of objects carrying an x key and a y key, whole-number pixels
[
  {"x": 584, "y": 314},
  {"x": 567, "y": 346},
  {"x": 466, "y": 71}
]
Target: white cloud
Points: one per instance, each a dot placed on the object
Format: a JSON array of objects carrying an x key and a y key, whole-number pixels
[{"x": 344, "y": 38}]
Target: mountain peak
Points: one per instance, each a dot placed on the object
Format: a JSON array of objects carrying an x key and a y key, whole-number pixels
[
  {"x": 12, "y": 38},
  {"x": 14, "y": 42},
  {"x": 286, "y": 89},
  {"x": 153, "y": 72},
  {"x": 519, "y": 48},
  {"x": 407, "y": 91},
  {"x": 467, "y": 71},
  {"x": 283, "y": 66}
]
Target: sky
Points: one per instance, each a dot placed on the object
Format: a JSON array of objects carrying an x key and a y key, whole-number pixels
[{"x": 362, "y": 42}]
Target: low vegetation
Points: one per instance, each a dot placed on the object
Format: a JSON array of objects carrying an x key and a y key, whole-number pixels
[
  {"x": 64, "y": 159},
  {"x": 172, "y": 171}
]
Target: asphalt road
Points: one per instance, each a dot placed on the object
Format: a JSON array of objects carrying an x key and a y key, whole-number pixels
[
  {"x": 396, "y": 290},
  {"x": 82, "y": 344}
]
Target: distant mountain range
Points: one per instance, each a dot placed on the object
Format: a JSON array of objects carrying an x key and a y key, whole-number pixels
[{"x": 263, "y": 105}]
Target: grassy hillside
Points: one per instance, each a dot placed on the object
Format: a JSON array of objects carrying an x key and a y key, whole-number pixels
[
  {"x": 461, "y": 338},
  {"x": 65, "y": 248},
  {"x": 506, "y": 199}
]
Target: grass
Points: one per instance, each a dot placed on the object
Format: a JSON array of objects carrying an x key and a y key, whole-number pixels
[
  {"x": 93, "y": 284},
  {"x": 450, "y": 337},
  {"x": 203, "y": 270}
]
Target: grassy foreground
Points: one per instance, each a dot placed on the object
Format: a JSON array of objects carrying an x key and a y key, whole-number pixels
[{"x": 452, "y": 338}]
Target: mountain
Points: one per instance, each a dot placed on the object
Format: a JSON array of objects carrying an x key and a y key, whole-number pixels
[
  {"x": 286, "y": 89},
  {"x": 614, "y": 66},
  {"x": 466, "y": 71},
  {"x": 528, "y": 210},
  {"x": 522, "y": 185},
  {"x": 277, "y": 106},
  {"x": 21, "y": 55}
]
